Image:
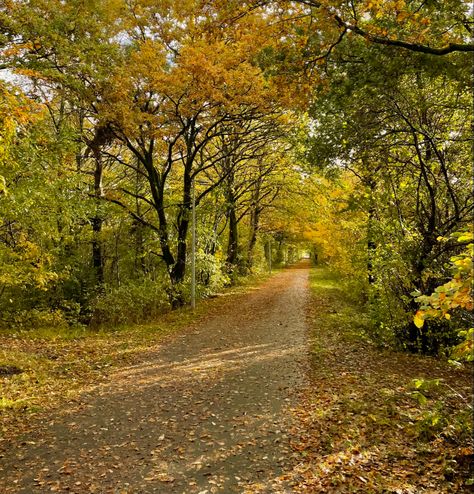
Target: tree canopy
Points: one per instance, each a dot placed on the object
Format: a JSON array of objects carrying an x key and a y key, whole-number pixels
[{"x": 340, "y": 126}]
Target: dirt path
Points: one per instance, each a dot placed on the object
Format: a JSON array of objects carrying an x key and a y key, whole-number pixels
[{"x": 207, "y": 413}]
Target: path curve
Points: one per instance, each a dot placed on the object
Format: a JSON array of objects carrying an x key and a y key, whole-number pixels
[{"x": 207, "y": 413}]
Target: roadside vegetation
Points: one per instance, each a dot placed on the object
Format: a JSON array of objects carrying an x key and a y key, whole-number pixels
[{"x": 374, "y": 419}]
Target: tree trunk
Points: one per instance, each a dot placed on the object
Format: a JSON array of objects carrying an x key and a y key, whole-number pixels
[
  {"x": 157, "y": 191},
  {"x": 254, "y": 226},
  {"x": 179, "y": 269},
  {"x": 371, "y": 245},
  {"x": 233, "y": 244},
  {"x": 139, "y": 244},
  {"x": 97, "y": 220}
]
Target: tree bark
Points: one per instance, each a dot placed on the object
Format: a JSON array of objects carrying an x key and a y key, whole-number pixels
[
  {"x": 371, "y": 245},
  {"x": 97, "y": 220},
  {"x": 254, "y": 226},
  {"x": 233, "y": 243}
]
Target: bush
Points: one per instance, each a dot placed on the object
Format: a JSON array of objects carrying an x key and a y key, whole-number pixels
[
  {"x": 132, "y": 302},
  {"x": 34, "y": 319},
  {"x": 210, "y": 274}
]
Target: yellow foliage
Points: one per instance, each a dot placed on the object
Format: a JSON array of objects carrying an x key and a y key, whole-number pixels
[
  {"x": 456, "y": 293},
  {"x": 208, "y": 73},
  {"x": 16, "y": 110}
]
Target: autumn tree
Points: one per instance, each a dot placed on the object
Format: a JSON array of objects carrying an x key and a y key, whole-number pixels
[
  {"x": 432, "y": 28},
  {"x": 164, "y": 92},
  {"x": 251, "y": 155},
  {"x": 404, "y": 134}
]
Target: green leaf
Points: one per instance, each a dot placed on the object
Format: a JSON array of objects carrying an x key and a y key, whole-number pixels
[
  {"x": 422, "y": 400},
  {"x": 418, "y": 383}
]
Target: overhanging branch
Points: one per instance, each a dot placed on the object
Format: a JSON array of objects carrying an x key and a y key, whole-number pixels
[{"x": 430, "y": 50}]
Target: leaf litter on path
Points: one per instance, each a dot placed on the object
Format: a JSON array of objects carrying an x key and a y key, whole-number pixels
[{"x": 205, "y": 412}]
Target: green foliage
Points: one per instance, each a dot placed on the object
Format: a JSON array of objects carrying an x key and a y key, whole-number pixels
[
  {"x": 43, "y": 217},
  {"x": 32, "y": 318},
  {"x": 435, "y": 417},
  {"x": 211, "y": 274},
  {"x": 384, "y": 119},
  {"x": 131, "y": 303}
]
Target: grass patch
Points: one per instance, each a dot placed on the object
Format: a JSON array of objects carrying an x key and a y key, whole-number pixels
[{"x": 336, "y": 315}]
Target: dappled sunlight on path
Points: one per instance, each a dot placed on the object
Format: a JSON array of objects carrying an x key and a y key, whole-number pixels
[
  {"x": 206, "y": 412},
  {"x": 200, "y": 368}
]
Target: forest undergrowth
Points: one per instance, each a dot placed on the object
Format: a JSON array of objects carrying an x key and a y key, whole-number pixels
[{"x": 376, "y": 420}]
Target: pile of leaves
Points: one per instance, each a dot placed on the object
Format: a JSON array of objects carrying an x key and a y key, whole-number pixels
[{"x": 375, "y": 420}]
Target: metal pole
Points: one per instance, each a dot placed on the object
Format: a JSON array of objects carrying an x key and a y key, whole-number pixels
[
  {"x": 270, "y": 255},
  {"x": 193, "y": 248}
]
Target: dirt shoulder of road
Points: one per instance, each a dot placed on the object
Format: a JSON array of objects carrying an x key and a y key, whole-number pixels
[{"x": 376, "y": 420}]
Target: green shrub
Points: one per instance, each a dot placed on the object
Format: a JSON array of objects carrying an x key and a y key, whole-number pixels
[
  {"x": 436, "y": 417},
  {"x": 34, "y": 319},
  {"x": 132, "y": 302},
  {"x": 210, "y": 274}
]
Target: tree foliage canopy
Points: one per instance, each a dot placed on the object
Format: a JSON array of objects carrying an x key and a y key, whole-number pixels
[{"x": 339, "y": 125}]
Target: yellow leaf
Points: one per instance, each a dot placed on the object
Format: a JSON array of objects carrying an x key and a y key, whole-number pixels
[{"x": 418, "y": 320}]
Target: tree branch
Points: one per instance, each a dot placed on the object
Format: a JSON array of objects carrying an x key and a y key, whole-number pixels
[{"x": 430, "y": 50}]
